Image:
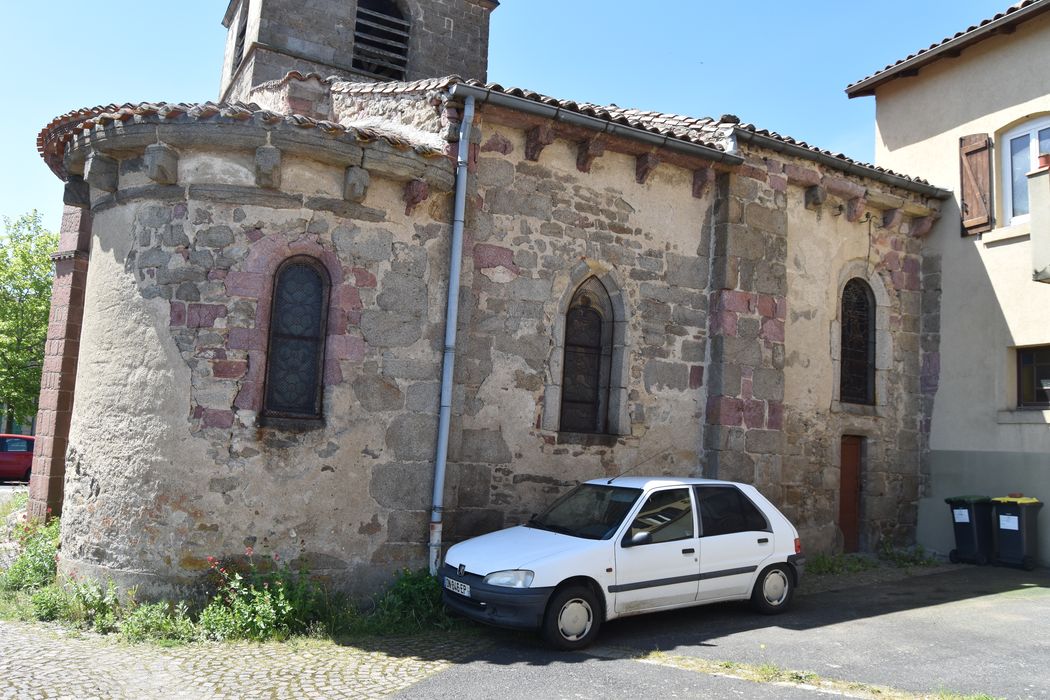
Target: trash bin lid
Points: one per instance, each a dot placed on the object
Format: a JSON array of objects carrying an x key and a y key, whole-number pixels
[
  {"x": 1015, "y": 499},
  {"x": 967, "y": 499}
]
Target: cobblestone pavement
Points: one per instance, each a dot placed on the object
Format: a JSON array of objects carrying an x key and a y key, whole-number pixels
[{"x": 45, "y": 661}]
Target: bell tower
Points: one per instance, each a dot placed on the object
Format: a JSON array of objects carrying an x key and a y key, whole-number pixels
[{"x": 357, "y": 39}]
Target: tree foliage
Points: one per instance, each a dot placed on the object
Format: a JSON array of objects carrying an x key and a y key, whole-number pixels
[{"x": 25, "y": 302}]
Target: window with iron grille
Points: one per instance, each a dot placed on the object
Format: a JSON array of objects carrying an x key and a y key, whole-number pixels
[
  {"x": 297, "y": 338},
  {"x": 587, "y": 360},
  {"x": 1033, "y": 377},
  {"x": 380, "y": 40},
  {"x": 857, "y": 361}
]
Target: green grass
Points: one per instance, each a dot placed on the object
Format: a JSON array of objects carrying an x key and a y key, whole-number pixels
[
  {"x": 820, "y": 564},
  {"x": 13, "y": 504}
]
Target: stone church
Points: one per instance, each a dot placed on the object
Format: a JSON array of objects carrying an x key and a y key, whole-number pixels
[{"x": 368, "y": 302}]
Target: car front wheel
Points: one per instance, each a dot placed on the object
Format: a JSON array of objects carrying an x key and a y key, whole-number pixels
[
  {"x": 773, "y": 590},
  {"x": 572, "y": 619}
]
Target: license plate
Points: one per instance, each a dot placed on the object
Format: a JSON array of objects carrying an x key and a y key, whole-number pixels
[{"x": 457, "y": 587}]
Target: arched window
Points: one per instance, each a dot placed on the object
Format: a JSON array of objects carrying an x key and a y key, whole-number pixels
[
  {"x": 297, "y": 339},
  {"x": 380, "y": 40},
  {"x": 857, "y": 378},
  {"x": 587, "y": 363}
]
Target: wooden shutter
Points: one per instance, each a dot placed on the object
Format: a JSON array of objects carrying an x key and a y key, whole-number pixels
[{"x": 975, "y": 164}]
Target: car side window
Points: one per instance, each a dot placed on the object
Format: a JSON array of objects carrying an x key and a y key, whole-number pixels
[
  {"x": 725, "y": 510},
  {"x": 666, "y": 515},
  {"x": 17, "y": 445}
]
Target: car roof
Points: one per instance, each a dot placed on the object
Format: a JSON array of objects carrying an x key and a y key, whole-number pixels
[
  {"x": 649, "y": 482},
  {"x": 26, "y": 437}
]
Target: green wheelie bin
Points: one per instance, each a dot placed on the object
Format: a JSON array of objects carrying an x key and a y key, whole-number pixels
[
  {"x": 1016, "y": 536},
  {"x": 972, "y": 520}
]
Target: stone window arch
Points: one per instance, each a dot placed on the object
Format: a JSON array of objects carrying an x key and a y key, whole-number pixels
[
  {"x": 857, "y": 346},
  {"x": 296, "y": 344},
  {"x": 381, "y": 33},
  {"x": 870, "y": 344},
  {"x": 586, "y": 388}
]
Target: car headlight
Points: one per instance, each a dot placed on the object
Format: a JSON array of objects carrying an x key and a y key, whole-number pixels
[{"x": 512, "y": 578}]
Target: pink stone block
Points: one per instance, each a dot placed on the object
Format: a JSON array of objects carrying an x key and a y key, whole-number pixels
[
  {"x": 767, "y": 306},
  {"x": 733, "y": 300},
  {"x": 246, "y": 339},
  {"x": 754, "y": 413},
  {"x": 216, "y": 418},
  {"x": 696, "y": 376},
  {"x": 892, "y": 260},
  {"x": 363, "y": 278},
  {"x": 348, "y": 298},
  {"x": 782, "y": 308},
  {"x": 772, "y": 329},
  {"x": 724, "y": 410},
  {"x": 254, "y": 235},
  {"x": 246, "y": 284},
  {"x": 204, "y": 315},
  {"x": 228, "y": 369},
  {"x": 801, "y": 176},
  {"x": 216, "y": 275},
  {"x": 332, "y": 373},
  {"x": 724, "y": 323},
  {"x": 487, "y": 255},
  {"x": 177, "y": 314},
  {"x": 346, "y": 347},
  {"x": 249, "y": 397},
  {"x": 775, "y": 415}
]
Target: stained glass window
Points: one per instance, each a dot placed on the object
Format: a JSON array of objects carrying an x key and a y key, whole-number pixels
[
  {"x": 584, "y": 391},
  {"x": 297, "y": 333},
  {"x": 857, "y": 381}
]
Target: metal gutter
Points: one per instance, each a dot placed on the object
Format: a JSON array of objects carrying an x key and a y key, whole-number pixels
[
  {"x": 867, "y": 86},
  {"x": 839, "y": 164},
  {"x": 560, "y": 114},
  {"x": 451, "y": 322}
]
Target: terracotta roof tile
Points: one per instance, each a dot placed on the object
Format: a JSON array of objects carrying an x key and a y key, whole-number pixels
[{"x": 53, "y": 138}]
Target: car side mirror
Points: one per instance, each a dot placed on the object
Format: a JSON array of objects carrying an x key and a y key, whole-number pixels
[{"x": 637, "y": 539}]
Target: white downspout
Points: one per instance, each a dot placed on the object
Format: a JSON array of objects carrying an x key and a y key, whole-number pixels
[{"x": 451, "y": 321}]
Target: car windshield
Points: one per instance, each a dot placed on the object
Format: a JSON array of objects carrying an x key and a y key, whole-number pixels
[{"x": 591, "y": 511}]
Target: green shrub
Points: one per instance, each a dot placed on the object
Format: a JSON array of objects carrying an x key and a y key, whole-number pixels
[
  {"x": 36, "y": 563},
  {"x": 94, "y": 606},
  {"x": 51, "y": 603},
  {"x": 158, "y": 622},
  {"x": 904, "y": 557},
  {"x": 413, "y": 603}
]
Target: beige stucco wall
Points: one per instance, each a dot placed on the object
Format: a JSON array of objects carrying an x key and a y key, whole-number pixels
[{"x": 989, "y": 304}]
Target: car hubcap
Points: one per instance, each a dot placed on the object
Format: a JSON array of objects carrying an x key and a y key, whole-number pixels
[
  {"x": 574, "y": 620},
  {"x": 775, "y": 587}
]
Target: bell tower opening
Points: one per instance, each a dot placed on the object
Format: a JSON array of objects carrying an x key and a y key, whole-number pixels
[{"x": 366, "y": 40}]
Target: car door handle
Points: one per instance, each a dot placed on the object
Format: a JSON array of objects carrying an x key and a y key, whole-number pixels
[
  {"x": 689, "y": 551},
  {"x": 763, "y": 540}
]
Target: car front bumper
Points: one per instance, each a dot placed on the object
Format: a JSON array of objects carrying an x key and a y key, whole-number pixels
[{"x": 516, "y": 608}]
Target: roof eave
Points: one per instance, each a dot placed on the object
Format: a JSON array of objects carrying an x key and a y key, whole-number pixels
[
  {"x": 831, "y": 161},
  {"x": 949, "y": 48},
  {"x": 557, "y": 113}
]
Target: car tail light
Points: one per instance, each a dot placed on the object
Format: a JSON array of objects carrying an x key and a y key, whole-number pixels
[{"x": 798, "y": 546}]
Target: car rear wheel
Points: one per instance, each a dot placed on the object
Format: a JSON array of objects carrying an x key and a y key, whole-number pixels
[
  {"x": 572, "y": 619},
  {"x": 773, "y": 590}
]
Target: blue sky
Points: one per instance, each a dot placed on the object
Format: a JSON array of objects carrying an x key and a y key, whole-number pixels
[{"x": 780, "y": 65}]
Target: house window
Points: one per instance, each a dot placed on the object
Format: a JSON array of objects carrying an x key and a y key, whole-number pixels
[
  {"x": 380, "y": 40},
  {"x": 857, "y": 366},
  {"x": 1020, "y": 152},
  {"x": 587, "y": 364},
  {"x": 1033, "y": 377},
  {"x": 297, "y": 339}
]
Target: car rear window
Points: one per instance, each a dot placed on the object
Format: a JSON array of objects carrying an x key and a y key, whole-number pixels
[
  {"x": 18, "y": 445},
  {"x": 725, "y": 510}
]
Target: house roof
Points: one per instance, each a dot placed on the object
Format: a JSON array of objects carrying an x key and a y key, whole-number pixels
[
  {"x": 53, "y": 139},
  {"x": 950, "y": 47},
  {"x": 713, "y": 138}
]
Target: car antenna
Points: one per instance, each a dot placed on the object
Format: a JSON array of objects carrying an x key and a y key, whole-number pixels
[{"x": 650, "y": 458}]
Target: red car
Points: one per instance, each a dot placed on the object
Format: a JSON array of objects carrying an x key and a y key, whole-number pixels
[{"x": 16, "y": 457}]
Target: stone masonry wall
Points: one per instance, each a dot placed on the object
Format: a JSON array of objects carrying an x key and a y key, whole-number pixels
[{"x": 541, "y": 227}]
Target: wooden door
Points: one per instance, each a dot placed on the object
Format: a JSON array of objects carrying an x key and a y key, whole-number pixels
[{"x": 849, "y": 496}]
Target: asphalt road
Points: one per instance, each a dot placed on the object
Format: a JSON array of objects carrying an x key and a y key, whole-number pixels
[{"x": 971, "y": 630}]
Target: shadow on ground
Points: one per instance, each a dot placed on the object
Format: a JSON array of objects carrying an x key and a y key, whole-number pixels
[{"x": 698, "y": 626}]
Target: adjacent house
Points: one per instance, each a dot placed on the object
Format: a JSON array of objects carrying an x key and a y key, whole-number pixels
[{"x": 972, "y": 113}]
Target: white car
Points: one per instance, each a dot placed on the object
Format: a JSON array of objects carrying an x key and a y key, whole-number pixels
[{"x": 622, "y": 546}]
